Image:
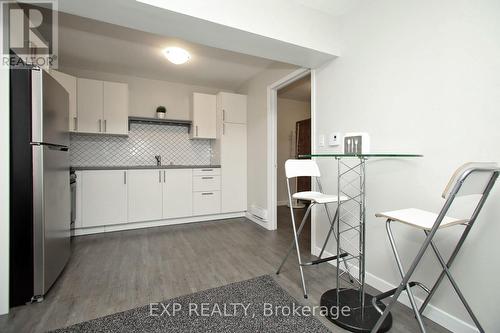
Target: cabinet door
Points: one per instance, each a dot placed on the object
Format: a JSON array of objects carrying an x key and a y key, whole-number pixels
[
  {"x": 69, "y": 83},
  {"x": 177, "y": 193},
  {"x": 115, "y": 108},
  {"x": 204, "y": 111},
  {"x": 90, "y": 99},
  {"x": 234, "y": 168},
  {"x": 233, "y": 108},
  {"x": 103, "y": 197},
  {"x": 206, "y": 203},
  {"x": 145, "y": 200}
]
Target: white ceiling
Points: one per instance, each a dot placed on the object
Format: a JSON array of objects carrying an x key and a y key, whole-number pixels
[
  {"x": 249, "y": 27},
  {"x": 299, "y": 90},
  {"x": 93, "y": 45}
]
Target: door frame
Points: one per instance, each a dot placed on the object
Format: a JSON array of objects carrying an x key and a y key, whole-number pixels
[{"x": 272, "y": 138}]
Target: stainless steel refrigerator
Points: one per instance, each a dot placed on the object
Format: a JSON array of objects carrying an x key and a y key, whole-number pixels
[{"x": 40, "y": 190}]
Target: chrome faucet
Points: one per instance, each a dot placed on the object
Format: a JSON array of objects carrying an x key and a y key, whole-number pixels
[{"x": 158, "y": 160}]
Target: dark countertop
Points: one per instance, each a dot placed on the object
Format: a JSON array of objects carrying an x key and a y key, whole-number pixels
[{"x": 131, "y": 167}]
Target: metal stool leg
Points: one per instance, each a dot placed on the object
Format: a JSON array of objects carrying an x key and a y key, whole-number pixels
[
  {"x": 401, "y": 271},
  {"x": 412, "y": 268},
  {"x": 446, "y": 270},
  {"x": 298, "y": 250},
  {"x": 292, "y": 245}
]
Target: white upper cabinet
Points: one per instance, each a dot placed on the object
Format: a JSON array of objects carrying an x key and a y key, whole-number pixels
[
  {"x": 145, "y": 195},
  {"x": 90, "y": 106},
  {"x": 177, "y": 193},
  {"x": 203, "y": 115},
  {"x": 102, "y": 107},
  {"x": 69, "y": 83},
  {"x": 233, "y": 107},
  {"x": 115, "y": 110}
]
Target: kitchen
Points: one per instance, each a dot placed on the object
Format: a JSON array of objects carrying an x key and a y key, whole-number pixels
[{"x": 152, "y": 136}]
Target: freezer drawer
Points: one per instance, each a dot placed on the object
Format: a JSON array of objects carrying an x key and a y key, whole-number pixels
[{"x": 205, "y": 203}]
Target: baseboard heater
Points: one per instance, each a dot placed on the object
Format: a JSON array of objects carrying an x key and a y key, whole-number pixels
[{"x": 258, "y": 212}]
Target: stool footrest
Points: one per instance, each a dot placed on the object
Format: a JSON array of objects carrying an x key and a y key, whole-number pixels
[
  {"x": 392, "y": 291},
  {"x": 320, "y": 261}
]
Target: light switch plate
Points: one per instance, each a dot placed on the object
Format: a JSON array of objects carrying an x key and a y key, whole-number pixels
[
  {"x": 321, "y": 140},
  {"x": 334, "y": 139}
]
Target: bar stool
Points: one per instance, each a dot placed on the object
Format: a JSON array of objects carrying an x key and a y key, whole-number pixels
[
  {"x": 309, "y": 168},
  {"x": 469, "y": 179}
]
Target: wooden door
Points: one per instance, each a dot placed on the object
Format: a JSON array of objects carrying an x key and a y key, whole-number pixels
[{"x": 303, "y": 147}]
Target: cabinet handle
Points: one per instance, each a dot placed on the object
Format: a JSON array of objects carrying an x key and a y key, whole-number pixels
[
  {"x": 164, "y": 177},
  {"x": 223, "y": 115},
  {"x": 159, "y": 176},
  {"x": 206, "y": 193},
  {"x": 207, "y": 177},
  {"x": 223, "y": 128},
  {"x": 206, "y": 169},
  {"x": 196, "y": 130},
  {"x": 105, "y": 125},
  {"x": 100, "y": 129},
  {"x": 75, "y": 119},
  {"x": 125, "y": 177}
]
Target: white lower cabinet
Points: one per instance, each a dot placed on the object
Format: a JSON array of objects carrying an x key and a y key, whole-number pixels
[
  {"x": 110, "y": 197},
  {"x": 205, "y": 203},
  {"x": 103, "y": 197},
  {"x": 145, "y": 195},
  {"x": 177, "y": 193}
]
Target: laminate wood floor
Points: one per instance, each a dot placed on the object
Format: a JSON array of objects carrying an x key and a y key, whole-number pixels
[{"x": 118, "y": 271}]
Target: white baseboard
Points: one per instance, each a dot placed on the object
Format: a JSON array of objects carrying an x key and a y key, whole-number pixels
[
  {"x": 435, "y": 314},
  {"x": 151, "y": 224}
]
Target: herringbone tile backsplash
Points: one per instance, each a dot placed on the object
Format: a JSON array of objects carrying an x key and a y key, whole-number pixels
[{"x": 139, "y": 148}]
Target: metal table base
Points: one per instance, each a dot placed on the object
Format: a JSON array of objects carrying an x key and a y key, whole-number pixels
[
  {"x": 356, "y": 319},
  {"x": 351, "y": 236}
]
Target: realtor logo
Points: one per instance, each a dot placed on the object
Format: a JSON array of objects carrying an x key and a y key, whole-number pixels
[{"x": 29, "y": 33}]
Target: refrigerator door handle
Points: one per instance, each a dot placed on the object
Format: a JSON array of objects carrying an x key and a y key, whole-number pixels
[{"x": 36, "y": 106}]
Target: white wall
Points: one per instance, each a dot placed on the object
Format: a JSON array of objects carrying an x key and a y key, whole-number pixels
[
  {"x": 289, "y": 112},
  {"x": 422, "y": 77},
  {"x": 256, "y": 90},
  {"x": 145, "y": 94}
]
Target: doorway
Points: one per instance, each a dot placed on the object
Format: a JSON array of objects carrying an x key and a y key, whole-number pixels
[{"x": 293, "y": 120}]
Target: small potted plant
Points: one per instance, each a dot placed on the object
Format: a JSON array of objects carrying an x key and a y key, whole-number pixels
[{"x": 161, "y": 112}]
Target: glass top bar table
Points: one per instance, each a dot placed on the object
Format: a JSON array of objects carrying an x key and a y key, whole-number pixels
[{"x": 360, "y": 315}]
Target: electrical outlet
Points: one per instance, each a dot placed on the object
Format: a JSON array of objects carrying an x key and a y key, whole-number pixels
[
  {"x": 321, "y": 140},
  {"x": 334, "y": 139}
]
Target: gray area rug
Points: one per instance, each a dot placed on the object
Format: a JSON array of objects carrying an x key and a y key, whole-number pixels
[{"x": 255, "y": 305}]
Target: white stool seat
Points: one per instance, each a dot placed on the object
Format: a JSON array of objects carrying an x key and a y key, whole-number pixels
[
  {"x": 317, "y": 197},
  {"x": 420, "y": 218}
]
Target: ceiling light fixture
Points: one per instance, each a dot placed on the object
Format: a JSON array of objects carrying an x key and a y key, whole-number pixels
[{"x": 176, "y": 55}]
